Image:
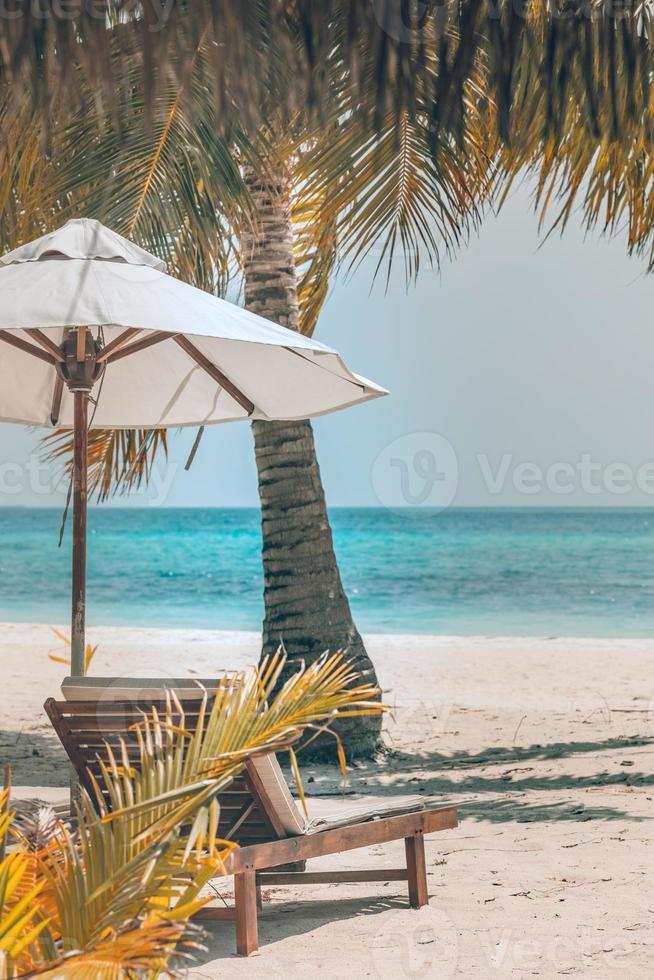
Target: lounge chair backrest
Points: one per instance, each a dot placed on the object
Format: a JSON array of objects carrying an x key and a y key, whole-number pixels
[
  {"x": 115, "y": 703},
  {"x": 134, "y": 688}
]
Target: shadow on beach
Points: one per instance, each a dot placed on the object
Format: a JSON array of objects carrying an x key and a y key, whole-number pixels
[
  {"x": 35, "y": 759},
  {"x": 281, "y": 919},
  {"x": 39, "y": 760},
  {"x": 503, "y": 793}
]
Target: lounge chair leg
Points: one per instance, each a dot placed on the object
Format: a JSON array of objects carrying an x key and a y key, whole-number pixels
[
  {"x": 259, "y": 898},
  {"x": 417, "y": 869},
  {"x": 245, "y": 895}
]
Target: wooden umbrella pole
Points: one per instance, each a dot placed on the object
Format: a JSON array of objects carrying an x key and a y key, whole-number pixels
[{"x": 80, "y": 494}]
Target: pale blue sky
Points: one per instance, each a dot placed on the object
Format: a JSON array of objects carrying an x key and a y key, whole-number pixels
[{"x": 517, "y": 356}]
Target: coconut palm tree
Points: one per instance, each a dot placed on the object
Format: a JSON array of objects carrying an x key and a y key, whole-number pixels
[
  {"x": 314, "y": 196},
  {"x": 318, "y": 209},
  {"x": 356, "y": 173},
  {"x": 306, "y": 607}
]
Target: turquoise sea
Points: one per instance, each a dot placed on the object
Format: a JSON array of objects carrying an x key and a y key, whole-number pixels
[{"x": 533, "y": 572}]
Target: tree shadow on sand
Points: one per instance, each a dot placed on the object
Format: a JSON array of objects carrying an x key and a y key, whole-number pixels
[
  {"x": 39, "y": 760},
  {"x": 512, "y": 753},
  {"x": 426, "y": 773},
  {"x": 291, "y": 919},
  {"x": 35, "y": 759}
]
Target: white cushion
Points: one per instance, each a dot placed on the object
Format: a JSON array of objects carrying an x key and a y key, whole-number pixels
[
  {"x": 364, "y": 810},
  {"x": 289, "y": 814}
]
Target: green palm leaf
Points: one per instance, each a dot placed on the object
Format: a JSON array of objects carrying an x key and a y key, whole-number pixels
[{"x": 180, "y": 773}]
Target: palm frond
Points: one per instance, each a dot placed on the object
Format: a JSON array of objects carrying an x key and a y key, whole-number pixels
[
  {"x": 589, "y": 153},
  {"x": 118, "y": 459},
  {"x": 406, "y": 187},
  {"x": 608, "y": 184},
  {"x": 119, "y": 891},
  {"x": 158, "y": 947},
  {"x": 101, "y": 885},
  {"x": 179, "y": 774},
  {"x": 20, "y": 894},
  {"x": 26, "y": 209},
  {"x": 315, "y": 233},
  {"x": 173, "y": 184},
  {"x": 273, "y": 54}
]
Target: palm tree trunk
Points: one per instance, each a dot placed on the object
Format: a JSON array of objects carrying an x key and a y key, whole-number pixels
[{"x": 305, "y": 605}]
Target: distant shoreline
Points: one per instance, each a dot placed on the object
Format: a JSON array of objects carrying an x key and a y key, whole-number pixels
[
  {"x": 426, "y": 511},
  {"x": 30, "y": 633}
]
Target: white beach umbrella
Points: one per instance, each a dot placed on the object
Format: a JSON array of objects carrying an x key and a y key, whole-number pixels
[{"x": 85, "y": 313}]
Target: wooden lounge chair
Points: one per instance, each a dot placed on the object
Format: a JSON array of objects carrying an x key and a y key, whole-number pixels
[{"x": 257, "y": 811}]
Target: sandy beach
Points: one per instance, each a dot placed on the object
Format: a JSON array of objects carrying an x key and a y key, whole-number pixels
[{"x": 547, "y": 744}]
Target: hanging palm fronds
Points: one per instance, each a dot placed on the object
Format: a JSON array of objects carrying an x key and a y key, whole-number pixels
[
  {"x": 275, "y": 53},
  {"x": 116, "y": 457}
]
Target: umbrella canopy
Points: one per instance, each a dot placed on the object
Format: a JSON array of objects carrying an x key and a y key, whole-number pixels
[
  {"x": 170, "y": 355},
  {"x": 86, "y": 314}
]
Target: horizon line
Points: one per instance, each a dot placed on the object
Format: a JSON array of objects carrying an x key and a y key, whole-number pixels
[{"x": 380, "y": 507}]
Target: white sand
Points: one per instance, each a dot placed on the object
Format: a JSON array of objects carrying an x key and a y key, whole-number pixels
[{"x": 550, "y": 871}]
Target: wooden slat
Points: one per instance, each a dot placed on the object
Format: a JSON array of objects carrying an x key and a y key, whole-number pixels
[
  {"x": 81, "y": 344},
  {"x": 243, "y": 814},
  {"x": 57, "y": 395},
  {"x": 20, "y": 344},
  {"x": 245, "y": 899},
  {"x": 67, "y": 739},
  {"x": 417, "y": 869},
  {"x": 214, "y": 372},
  {"x": 118, "y": 343},
  {"x": 100, "y": 707},
  {"x": 113, "y": 723},
  {"x": 330, "y": 877},
  {"x": 46, "y": 343},
  {"x": 341, "y": 839},
  {"x": 216, "y": 913},
  {"x": 152, "y": 338}
]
